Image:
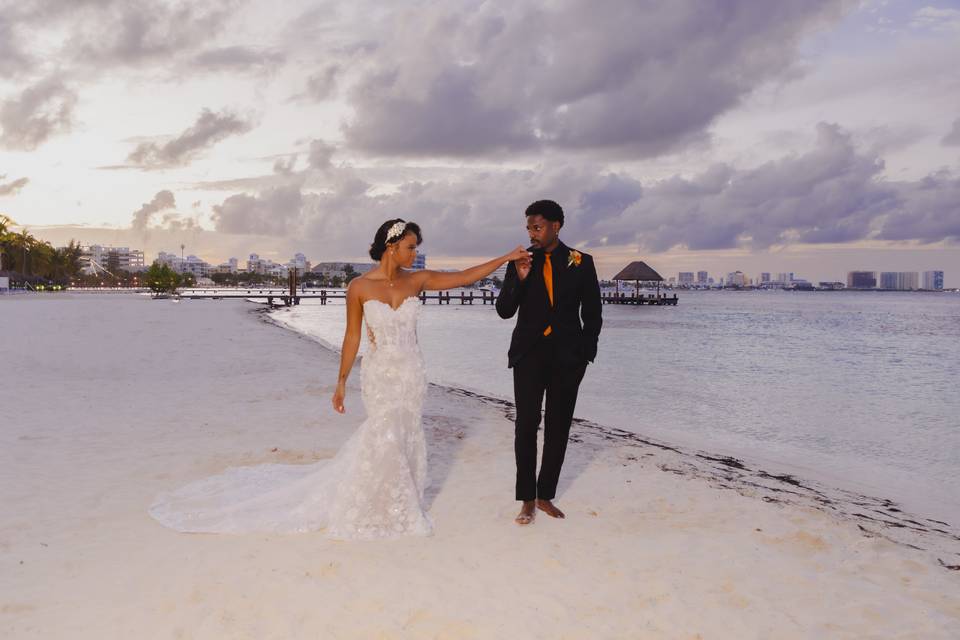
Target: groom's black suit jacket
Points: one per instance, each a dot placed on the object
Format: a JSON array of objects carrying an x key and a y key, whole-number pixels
[{"x": 576, "y": 295}]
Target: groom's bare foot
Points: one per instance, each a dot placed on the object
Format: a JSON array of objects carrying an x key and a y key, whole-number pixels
[
  {"x": 549, "y": 508},
  {"x": 527, "y": 513}
]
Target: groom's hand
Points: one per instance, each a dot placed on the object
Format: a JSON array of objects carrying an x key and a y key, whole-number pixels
[{"x": 523, "y": 266}]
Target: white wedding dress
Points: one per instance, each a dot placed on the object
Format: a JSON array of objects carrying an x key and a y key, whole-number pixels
[{"x": 372, "y": 488}]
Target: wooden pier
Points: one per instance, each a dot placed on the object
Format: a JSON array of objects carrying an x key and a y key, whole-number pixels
[
  {"x": 282, "y": 297},
  {"x": 292, "y": 295},
  {"x": 286, "y": 298},
  {"x": 658, "y": 299}
]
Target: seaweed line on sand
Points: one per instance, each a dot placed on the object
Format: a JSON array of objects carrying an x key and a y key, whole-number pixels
[{"x": 875, "y": 517}]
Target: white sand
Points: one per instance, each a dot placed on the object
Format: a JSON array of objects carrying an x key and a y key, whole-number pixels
[{"x": 108, "y": 400}]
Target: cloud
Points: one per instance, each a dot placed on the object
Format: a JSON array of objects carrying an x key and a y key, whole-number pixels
[
  {"x": 322, "y": 85},
  {"x": 275, "y": 212},
  {"x": 209, "y": 129},
  {"x": 952, "y": 139},
  {"x": 128, "y": 33},
  {"x": 237, "y": 58},
  {"x": 835, "y": 192},
  {"x": 161, "y": 201},
  {"x": 12, "y": 188},
  {"x": 13, "y": 59},
  {"x": 285, "y": 166},
  {"x": 630, "y": 78},
  {"x": 320, "y": 154},
  {"x": 42, "y": 110}
]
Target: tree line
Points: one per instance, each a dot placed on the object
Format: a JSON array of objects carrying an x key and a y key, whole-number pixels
[{"x": 24, "y": 258}]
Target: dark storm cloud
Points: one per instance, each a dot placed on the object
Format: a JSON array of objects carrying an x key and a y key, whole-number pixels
[
  {"x": 40, "y": 111},
  {"x": 162, "y": 201},
  {"x": 12, "y": 188},
  {"x": 630, "y": 77},
  {"x": 209, "y": 129},
  {"x": 952, "y": 139}
]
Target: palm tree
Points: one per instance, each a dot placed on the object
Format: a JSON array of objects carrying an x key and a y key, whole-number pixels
[{"x": 5, "y": 223}]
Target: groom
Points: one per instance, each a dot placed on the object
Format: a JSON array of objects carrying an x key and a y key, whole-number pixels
[{"x": 549, "y": 350}]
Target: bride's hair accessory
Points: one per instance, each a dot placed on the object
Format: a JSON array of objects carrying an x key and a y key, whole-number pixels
[
  {"x": 391, "y": 231},
  {"x": 396, "y": 230}
]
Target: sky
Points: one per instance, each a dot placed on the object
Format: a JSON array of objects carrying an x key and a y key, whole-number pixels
[{"x": 814, "y": 137}]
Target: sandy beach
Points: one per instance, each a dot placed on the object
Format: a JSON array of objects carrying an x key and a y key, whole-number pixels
[{"x": 110, "y": 399}]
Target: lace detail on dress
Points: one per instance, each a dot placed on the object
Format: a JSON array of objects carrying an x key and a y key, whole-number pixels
[{"x": 372, "y": 488}]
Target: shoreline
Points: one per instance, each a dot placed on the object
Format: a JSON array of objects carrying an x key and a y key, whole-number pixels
[
  {"x": 166, "y": 392},
  {"x": 883, "y": 518}
]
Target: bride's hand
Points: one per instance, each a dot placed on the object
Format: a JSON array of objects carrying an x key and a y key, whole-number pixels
[
  {"x": 338, "y": 398},
  {"x": 518, "y": 254}
]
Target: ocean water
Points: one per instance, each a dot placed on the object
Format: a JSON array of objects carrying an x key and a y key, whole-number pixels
[{"x": 855, "y": 389}]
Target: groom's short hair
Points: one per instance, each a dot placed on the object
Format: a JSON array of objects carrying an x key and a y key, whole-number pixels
[{"x": 549, "y": 209}]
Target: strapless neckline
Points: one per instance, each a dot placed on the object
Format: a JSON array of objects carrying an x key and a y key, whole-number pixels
[{"x": 389, "y": 306}]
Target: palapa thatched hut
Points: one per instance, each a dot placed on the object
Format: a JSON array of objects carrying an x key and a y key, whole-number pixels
[{"x": 638, "y": 271}]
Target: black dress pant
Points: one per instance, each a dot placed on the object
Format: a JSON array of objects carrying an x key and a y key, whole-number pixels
[{"x": 547, "y": 370}]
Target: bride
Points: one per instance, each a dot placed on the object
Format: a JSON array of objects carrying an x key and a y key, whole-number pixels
[{"x": 374, "y": 486}]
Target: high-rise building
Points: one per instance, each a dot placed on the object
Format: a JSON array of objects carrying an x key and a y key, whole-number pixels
[
  {"x": 862, "y": 279},
  {"x": 420, "y": 262},
  {"x": 899, "y": 280},
  {"x": 736, "y": 279},
  {"x": 702, "y": 277},
  {"x": 933, "y": 280},
  {"x": 685, "y": 277},
  {"x": 764, "y": 277}
]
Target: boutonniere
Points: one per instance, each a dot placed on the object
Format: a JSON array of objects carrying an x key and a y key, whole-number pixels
[{"x": 573, "y": 260}]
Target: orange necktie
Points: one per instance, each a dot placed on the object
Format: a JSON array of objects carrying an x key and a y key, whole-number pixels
[{"x": 548, "y": 280}]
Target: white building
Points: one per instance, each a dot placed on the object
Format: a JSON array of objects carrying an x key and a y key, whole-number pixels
[
  {"x": 256, "y": 264},
  {"x": 899, "y": 280},
  {"x": 685, "y": 277},
  {"x": 98, "y": 257},
  {"x": 191, "y": 264},
  {"x": 933, "y": 280},
  {"x": 230, "y": 266},
  {"x": 299, "y": 263},
  {"x": 330, "y": 269}
]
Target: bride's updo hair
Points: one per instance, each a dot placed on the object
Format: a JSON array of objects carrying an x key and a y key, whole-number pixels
[{"x": 380, "y": 242}]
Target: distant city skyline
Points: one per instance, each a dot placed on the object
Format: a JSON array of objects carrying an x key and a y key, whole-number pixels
[{"x": 817, "y": 137}]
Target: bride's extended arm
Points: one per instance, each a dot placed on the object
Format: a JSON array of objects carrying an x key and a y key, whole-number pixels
[
  {"x": 351, "y": 344},
  {"x": 439, "y": 280}
]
